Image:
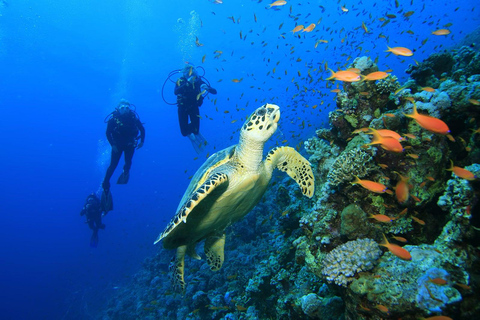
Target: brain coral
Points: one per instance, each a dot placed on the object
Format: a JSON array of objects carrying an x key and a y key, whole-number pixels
[
  {"x": 343, "y": 262},
  {"x": 349, "y": 163}
]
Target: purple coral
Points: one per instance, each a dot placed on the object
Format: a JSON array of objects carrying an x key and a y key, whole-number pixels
[{"x": 343, "y": 262}]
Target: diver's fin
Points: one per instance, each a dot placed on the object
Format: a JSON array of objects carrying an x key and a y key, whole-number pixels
[
  {"x": 123, "y": 179},
  {"x": 201, "y": 140},
  {"x": 106, "y": 202},
  {"x": 94, "y": 239},
  {"x": 195, "y": 143}
]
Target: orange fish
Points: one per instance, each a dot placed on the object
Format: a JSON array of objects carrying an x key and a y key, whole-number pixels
[
  {"x": 298, "y": 28},
  {"x": 474, "y": 101},
  {"x": 441, "y": 32},
  {"x": 382, "y": 308},
  {"x": 377, "y": 75},
  {"x": 463, "y": 286},
  {"x": 381, "y": 218},
  {"x": 438, "y": 281},
  {"x": 387, "y": 143},
  {"x": 344, "y": 9},
  {"x": 396, "y": 250},
  {"x": 390, "y": 115},
  {"x": 241, "y": 308},
  {"x": 429, "y": 123},
  {"x": 428, "y": 89},
  {"x": 335, "y": 90},
  {"x": 237, "y": 80},
  {"x": 347, "y": 76},
  {"x": 400, "y": 51},
  {"x": 462, "y": 173},
  {"x": 390, "y": 134},
  {"x": 402, "y": 190},
  {"x": 278, "y": 3},
  {"x": 370, "y": 185},
  {"x": 409, "y": 135},
  {"x": 438, "y": 318},
  {"x": 430, "y": 178},
  {"x": 309, "y": 28},
  {"x": 401, "y": 239},
  {"x": 419, "y": 221}
]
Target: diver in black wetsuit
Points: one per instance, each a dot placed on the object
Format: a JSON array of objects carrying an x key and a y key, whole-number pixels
[
  {"x": 122, "y": 133},
  {"x": 189, "y": 90},
  {"x": 92, "y": 210}
]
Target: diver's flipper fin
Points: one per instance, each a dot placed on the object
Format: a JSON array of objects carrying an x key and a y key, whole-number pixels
[
  {"x": 201, "y": 141},
  {"x": 195, "y": 143},
  {"x": 94, "y": 239},
  {"x": 123, "y": 179},
  {"x": 106, "y": 202}
]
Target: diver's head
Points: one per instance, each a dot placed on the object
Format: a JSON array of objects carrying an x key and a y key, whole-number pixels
[
  {"x": 123, "y": 106},
  {"x": 189, "y": 70}
]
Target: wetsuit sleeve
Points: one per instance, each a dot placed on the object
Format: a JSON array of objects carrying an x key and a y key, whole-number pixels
[
  {"x": 109, "y": 133},
  {"x": 141, "y": 128}
]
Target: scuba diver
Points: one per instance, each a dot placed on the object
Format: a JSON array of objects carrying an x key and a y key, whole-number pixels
[
  {"x": 123, "y": 127},
  {"x": 92, "y": 210},
  {"x": 191, "y": 89}
]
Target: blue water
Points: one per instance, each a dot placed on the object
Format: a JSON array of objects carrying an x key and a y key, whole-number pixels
[{"x": 64, "y": 65}]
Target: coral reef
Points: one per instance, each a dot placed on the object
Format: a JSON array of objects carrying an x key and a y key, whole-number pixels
[
  {"x": 320, "y": 258},
  {"x": 345, "y": 261}
]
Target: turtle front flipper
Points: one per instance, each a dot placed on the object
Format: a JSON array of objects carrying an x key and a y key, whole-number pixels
[
  {"x": 177, "y": 268},
  {"x": 214, "y": 250},
  {"x": 197, "y": 196},
  {"x": 295, "y": 165}
]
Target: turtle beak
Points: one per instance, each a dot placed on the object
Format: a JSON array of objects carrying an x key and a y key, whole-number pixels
[{"x": 274, "y": 112}]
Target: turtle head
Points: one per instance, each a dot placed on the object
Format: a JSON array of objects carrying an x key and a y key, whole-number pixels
[{"x": 262, "y": 123}]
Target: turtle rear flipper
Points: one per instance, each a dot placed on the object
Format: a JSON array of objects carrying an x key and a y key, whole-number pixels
[
  {"x": 197, "y": 196},
  {"x": 214, "y": 250},
  {"x": 295, "y": 165},
  {"x": 177, "y": 267}
]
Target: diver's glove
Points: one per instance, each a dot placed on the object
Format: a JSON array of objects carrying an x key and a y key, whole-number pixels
[
  {"x": 114, "y": 148},
  {"x": 204, "y": 87},
  {"x": 140, "y": 145},
  {"x": 191, "y": 80}
]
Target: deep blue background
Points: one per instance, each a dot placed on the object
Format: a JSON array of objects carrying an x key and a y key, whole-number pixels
[{"x": 64, "y": 65}]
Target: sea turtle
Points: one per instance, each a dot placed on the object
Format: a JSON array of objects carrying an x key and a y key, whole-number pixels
[{"x": 226, "y": 187}]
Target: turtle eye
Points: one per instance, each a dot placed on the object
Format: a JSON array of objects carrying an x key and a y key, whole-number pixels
[{"x": 261, "y": 112}]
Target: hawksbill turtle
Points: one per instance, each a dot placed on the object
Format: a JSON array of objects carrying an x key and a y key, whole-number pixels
[{"x": 226, "y": 187}]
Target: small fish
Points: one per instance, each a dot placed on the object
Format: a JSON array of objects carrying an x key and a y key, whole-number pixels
[
  {"x": 309, "y": 28},
  {"x": 382, "y": 308},
  {"x": 237, "y": 80},
  {"x": 390, "y": 115},
  {"x": 387, "y": 143},
  {"x": 203, "y": 60},
  {"x": 438, "y": 317},
  {"x": 370, "y": 185},
  {"x": 197, "y": 42},
  {"x": 336, "y": 90},
  {"x": 430, "y": 178},
  {"x": 400, "y": 51},
  {"x": 438, "y": 281},
  {"x": 401, "y": 239},
  {"x": 241, "y": 308},
  {"x": 344, "y": 9},
  {"x": 428, "y": 89},
  {"x": 377, "y": 75},
  {"x": 381, "y": 218},
  {"x": 441, "y": 32},
  {"x": 419, "y": 221},
  {"x": 410, "y": 136},
  {"x": 429, "y": 123},
  {"x": 461, "y": 172},
  {"x": 297, "y": 28},
  {"x": 396, "y": 250},
  {"x": 278, "y": 3},
  {"x": 474, "y": 102},
  {"x": 347, "y": 76},
  {"x": 402, "y": 190},
  {"x": 463, "y": 286}
]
